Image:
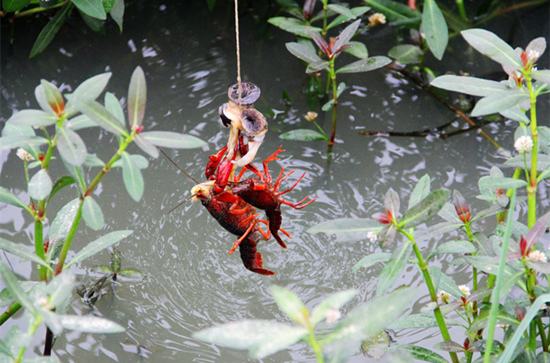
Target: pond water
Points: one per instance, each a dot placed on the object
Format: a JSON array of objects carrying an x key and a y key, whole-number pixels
[{"x": 190, "y": 282}]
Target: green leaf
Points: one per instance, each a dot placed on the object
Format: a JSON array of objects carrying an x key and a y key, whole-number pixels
[
  {"x": 94, "y": 24},
  {"x": 365, "y": 65},
  {"x": 93, "y": 8},
  {"x": 71, "y": 147},
  {"x": 40, "y": 185},
  {"x": 25, "y": 252},
  {"x": 341, "y": 19},
  {"x": 420, "y": 190},
  {"x": 395, "y": 11},
  {"x": 303, "y": 52},
  {"x": 131, "y": 175},
  {"x": 13, "y": 285},
  {"x": 10, "y": 6},
  {"x": 460, "y": 247},
  {"x": 302, "y": 135},
  {"x": 137, "y": 97},
  {"x": 346, "y": 225},
  {"x": 53, "y": 97},
  {"x": 92, "y": 214},
  {"x": 290, "y": 304},
  {"x": 130, "y": 273},
  {"x": 88, "y": 90},
  {"x": 357, "y": 49},
  {"x": 277, "y": 342},
  {"x": 139, "y": 160},
  {"x": 345, "y": 36},
  {"x": 61, "y": 224},
  {"x": 492, "y": 46},
  {"x": 499, "y": 102},
  {"x": 415, "y": 321},
  {"x": 393, "y": 269},
  {"x": 113, "y": 106},
  {"x": 340, "y": 9},
  {"x": 96, "y": 112},
  {"x": 406, "y": 53},
  {"x": 90, "y": 324},
  {"x": 8, "y": 197},
  {"x": 515, "y": 114},
  {"x": 444, "y": 282},
  {"x": 434, "y": 28},
  {"x": 249, "y": 334},
  {"x": 332, "y": 302},
  {"x": 99, "y": 245},
  {"x": 488, "y": 184},
  {"x": 117, "y": 13},
  {"x": 13, "y": 141},
  {"x": 146, "y": 146},
  {"x": 369, "y": 319},
  {"x": 80, "y": 122},
  {"x": 293, "y": 26},
  {"x": 542, "y": 76},
  {"x": 34, "y": 118},
  {"x": 423, "y": 354},
  {"x": 425, "y": 209},
  {"x": 173, "y": 140},
  {"x": 49, "y": 31},
  {"x": 317, "y": 67},
  {"x": 468, "y": 85},
  {"x": 371, "y": 259}
]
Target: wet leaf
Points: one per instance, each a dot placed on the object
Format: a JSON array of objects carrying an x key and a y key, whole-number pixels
[
  {"x": 357, "y": 49},
  {"x": 40, "y": 185},
  {"x": 71, "y": 147},
  {"x": 392, "y": 202},
  {"x": 460, "y": 247},
  {"x": 538, "y": 230},
  {"x": 10, "y": 6},
  {"x": 434, "y": 28},
  {"x": 444, "y": 282},
  {"x": 395, "y": 12},
  {"x": 293, "y": 26},
  {"x": 542, "y": 75},
  {"x": 53, "y": 97},
  {"x": 499, "y": 102},
  {"x": 92, "y": 214},
  {"x": 393, "y": 268},
  {"x": 13, "y": 141},
  {"x": 492, "y": 46},
  {"x": 420, "y": 190},
  {"x": 99, "y": 245},
  {"x": 365, "y": 65},
  {"x": 346, "y": 225},
  {"x": 415, "y": 321},
  {"x": 49, "y": 31},
  {"x": 87, "y": 91},
  {"x": 132, "y": 177},
  {"x": 406, "y": 54},
  {"x": 113, "y": 106},
  {"x": 423, "y": 354},
  {"x": 480, "y": 322},
  {"x": 137, "y": 97},
  {"x": 139, "y": 160},
  {"x": 303, "y": 52},
  {"x": 93, "y": 8},
  {"x": 14, "y": 286},
  {"x": 332, "y": 302},
  {"x": 341, "y": 9},
  {"x": 34, "y": 118},
  {"x": 20, "y": 250},
  {"x": 290, "y": 304},
  {"x": 90, "y": 324},
  {"x": 468, "y": 85},
  {"x": 515, "y": 114},
  {"x": 449, "y": 346},
  {"x": 425, "y": 209},
  {"x": 317, "y": 67},
  {"x": 99, "y": 114},
  {"x": 487, "y": 264},
  {"x": 146, "y": 146},
  {"x": 130, "y": 273},
  {"x": 489, "y": 184},
  {"x": 173, "y": 140},
  {"x": 345, "y": 36},
  {"x": 117, "y": 13},
  {"x": 8, "y": 197},
  {"x": 303, "y": 135},
  {"x": 61, "y": 224},
  {"x": 371, "y": 259},
  {"x": 277, "y": 343},
  {"x": 354, "y": 12},
  {"x": 80, "y": 122}
]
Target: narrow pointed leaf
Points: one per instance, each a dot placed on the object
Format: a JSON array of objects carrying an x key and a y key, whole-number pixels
[
  {"x": 25, "y": 252},
  {"x": 96, "y": 112},
  {"x": 172, "y": 140},
  {"x": 53, "y": 97},
  {"x": 426, "y": 208},
  {"x": 542, "y": 76},
  {"x": 8, "y": 197},
  {"x": 468, "y": 85},
  {"x": 371, "y": 259},
  {"x": 420, "y": 190},
  {"x": 434, "y": 28},
  {"x": 90, "y": 324},
  {"x": 40, "y": 185},
  {"x": 332, "y": 302},
  {"x": 99, "y": 245},
  {"x": 62, "y": 222},
  {"x": 71, "y": 147},
  {"x": 80, "y": 122},
  {"x": 303, "y": 52},
  {"x": 49, "y": 31},
  {"x": 345, "y": 36},
  {"x": 293, "y": 26},
  {"x": 365, "y": 65},
  {"x": 303, "y": 135},
  {"x": 14, "y": 287},
  {"x": 346, "y": 225},
  {"x": 13, "y": 141},
  {"x": 113, "y": 106},
  {"x": 117, "y": 13},
  {"x": 131, "y": 175},
  {"x": 34, "y": 118},
  {"x": 88, "y": 90},
  {"x": 499, "y": 102},
  {"x": 278, "y": 342},
  {"x": 92, "y": 214},
  {"x": 393, "y": 269},
  {"x": 146, "y": 146},
  {"x": 492, "y": 46},
  {"x": 137, "y": 97},
  {"x": 93, "y": 8},
  {"x": 290, "y": 304}
]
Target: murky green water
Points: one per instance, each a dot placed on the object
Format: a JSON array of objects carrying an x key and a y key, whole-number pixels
[{"x": 190, "y": 281}]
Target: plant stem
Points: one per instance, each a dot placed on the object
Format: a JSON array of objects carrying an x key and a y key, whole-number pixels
[
  {"x": 495, "y": 296},
  {"x": 10, "y": 311},
  {"x": 32, "y": 329},
  {"x": 532, "y": 187},
  {"x": 314, "y": 344},
  {"x": 38, "y": 9},
  {"x": 468, "y": 229},
  {"x": 461, "y": 9},
  {"x": 423, "y": 266},
  {"x": 39, "y": 246},
  {"x": 332, "y": 74},
  {"x": 325, "y": 18}
]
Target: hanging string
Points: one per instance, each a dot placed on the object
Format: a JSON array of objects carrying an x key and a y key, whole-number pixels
[{"x": 239, "y": 87}]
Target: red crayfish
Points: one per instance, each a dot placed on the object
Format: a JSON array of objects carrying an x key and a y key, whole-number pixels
[{"x": 232, "y": 201}]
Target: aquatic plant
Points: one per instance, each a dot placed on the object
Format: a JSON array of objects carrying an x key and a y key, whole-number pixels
[
  {"x": 93, "y": 13},
  {"x": 50, "y": 135}
]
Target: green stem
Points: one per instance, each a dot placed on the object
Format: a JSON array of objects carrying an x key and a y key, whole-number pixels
[
  {"x": 532, "y": 187},
  {"x": 332, "y": 74},
  {"x": 495, "y": 296},
  {"x": 469, "y": 233},
  {"x": 39, "y": 9},
  {"x": 461, "y": 9},
  {"x": 314, "y": 344},
  {"x": 325, "y": 18},
  {"x": 39, "y": 246},
  {"x": 10, "y": 311},
  {"x": 423, "y": 266},
  {"x": 32, "y": 329}
]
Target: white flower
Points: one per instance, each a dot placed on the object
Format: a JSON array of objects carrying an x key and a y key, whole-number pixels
[
  {"x": 444, "y": 297},
  {"x": 465, "y": 290},
  {"x": 311, "y": 116},
  {"x": 24, "y": 155},
  {"x": 537, "y": 256},
  {"x": 523, "y": 144},
  {"x": 372, "y": 236},
  {"x": 333, "y": 315},
  {"x": 377, "y": 19}
]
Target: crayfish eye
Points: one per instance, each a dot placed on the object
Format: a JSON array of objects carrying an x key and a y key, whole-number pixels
[{"x": 224, "y": 120}]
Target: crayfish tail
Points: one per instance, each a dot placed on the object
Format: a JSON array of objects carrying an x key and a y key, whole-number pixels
[{"x": 252, "y": 259}]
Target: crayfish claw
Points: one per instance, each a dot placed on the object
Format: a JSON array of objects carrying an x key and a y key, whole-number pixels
[{"x": 252, "y": 259}]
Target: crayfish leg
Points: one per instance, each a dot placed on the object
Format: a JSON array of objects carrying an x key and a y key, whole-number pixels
[
  {"x": 241, "y": 238},
  {"x": 252, "y": 259},
  {"x": 275, "y": 220}
]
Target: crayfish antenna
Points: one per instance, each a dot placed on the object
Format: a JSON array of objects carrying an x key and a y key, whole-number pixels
[
  {"x": 189, "y": 176},
  {"x": 180, "y": 203}
]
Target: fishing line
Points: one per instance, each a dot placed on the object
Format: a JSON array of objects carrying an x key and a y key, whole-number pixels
[
  {"x": 239, "y": 87},
  {"x": 179, "y": 168}
]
